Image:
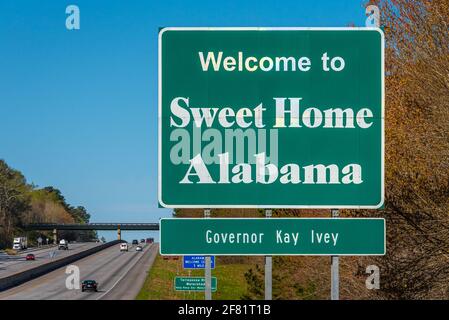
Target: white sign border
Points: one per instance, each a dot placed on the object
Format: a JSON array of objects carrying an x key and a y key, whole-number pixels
[
  {"x": 161, "y": 32},
  {"x": 196, "y": 277},
  {"x": 274, "y": 253}
]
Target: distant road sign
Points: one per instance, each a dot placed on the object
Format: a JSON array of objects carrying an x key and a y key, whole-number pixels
[
  {"x": 274, "y": 236},
  {"x": 197, "y": 262},
  {"x": 193, "y": 284}
]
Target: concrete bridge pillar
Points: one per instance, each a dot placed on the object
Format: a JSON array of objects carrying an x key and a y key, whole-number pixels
[
  {"x": 55, "y": 236},
  {"x": 119, "y": 233}
]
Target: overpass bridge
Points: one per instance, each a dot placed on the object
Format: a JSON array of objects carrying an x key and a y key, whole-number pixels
[{"x": 90, "y": 226}]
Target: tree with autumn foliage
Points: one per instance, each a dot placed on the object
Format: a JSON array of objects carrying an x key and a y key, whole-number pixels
[
  {"x": 416, "y": 149},
  {"x": 416, "y": 265},
  {"x": 22, "y": 203}
]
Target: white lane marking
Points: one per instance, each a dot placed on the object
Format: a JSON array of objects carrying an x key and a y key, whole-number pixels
[
  {"x": 56, "y": 276},
  {"x": 124, "y": 274}
]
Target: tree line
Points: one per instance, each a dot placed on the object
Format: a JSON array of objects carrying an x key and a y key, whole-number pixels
[{"x": 23, "y": 203}]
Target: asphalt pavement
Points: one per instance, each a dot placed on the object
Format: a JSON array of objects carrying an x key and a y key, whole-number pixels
[
  {"x": 11, "y": 264},
  {"x": 120, "y": 276}
]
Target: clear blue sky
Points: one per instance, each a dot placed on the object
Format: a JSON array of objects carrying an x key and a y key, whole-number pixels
[{"x": 78, "y": 109}]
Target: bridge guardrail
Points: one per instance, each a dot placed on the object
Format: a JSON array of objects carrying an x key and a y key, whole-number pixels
[{"x": 91, "y": 226}]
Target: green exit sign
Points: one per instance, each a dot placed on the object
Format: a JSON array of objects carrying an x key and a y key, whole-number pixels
[
  {"x": 274, "y": 236},
  {"x": 193, "y": 284},
  {"x": 271, "y": 118}
]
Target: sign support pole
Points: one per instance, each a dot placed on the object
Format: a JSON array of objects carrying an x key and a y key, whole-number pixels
[
  {"x": 207, "y": 269},
  {"x": 334, "y": 268},
  {"x": 189, "y": 290},
  {"x": 268, "y": 268}
]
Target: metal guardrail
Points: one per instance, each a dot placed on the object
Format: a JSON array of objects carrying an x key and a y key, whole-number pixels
[{"x": 27, "y": 275}]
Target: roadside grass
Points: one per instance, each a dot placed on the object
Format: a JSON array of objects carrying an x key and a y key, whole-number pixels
[
  {"x": 231, "y": 283},
  {"x": 10, "y": 252}
]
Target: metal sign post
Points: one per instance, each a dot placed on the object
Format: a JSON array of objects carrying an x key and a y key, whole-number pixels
[
  {"x": 189, "y": 291},
  {"x": 268, "y": 269},
  {"x": 207, "y": 269},
  {"x": 334, "y": 269}
]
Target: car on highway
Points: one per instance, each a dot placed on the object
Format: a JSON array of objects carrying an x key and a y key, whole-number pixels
[
  {"x": 20, "y": 243},
  {"x": 142, "y": 240},
  {"x": 135, "y": 242},
  {"x": 30, "y": 257},
  {"x": 139, "y": 248},
  {"x": 149, "y": 240},
  {"x": 123, "y": 246},
  {"x": 91, "y": 285},
  {"x": 63, "y": 245}
]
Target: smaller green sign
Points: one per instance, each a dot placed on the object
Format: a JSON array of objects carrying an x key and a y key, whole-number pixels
[{"x": 194, "y": 284}]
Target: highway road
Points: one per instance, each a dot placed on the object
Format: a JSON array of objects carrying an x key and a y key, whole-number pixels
[
  {"x": 13, "y": 264},
  {"x": 120, "y": 276}
]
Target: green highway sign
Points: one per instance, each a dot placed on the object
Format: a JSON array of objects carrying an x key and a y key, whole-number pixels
[
  {"x": 271, "y": 118},
  {"x": 193, "y": 284},
  {"x": 274, "y": 236}
]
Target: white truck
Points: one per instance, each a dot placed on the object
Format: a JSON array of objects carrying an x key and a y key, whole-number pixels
[
  {"x": 20, "y": 243},
  {"x": 63, "y": 245}
]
